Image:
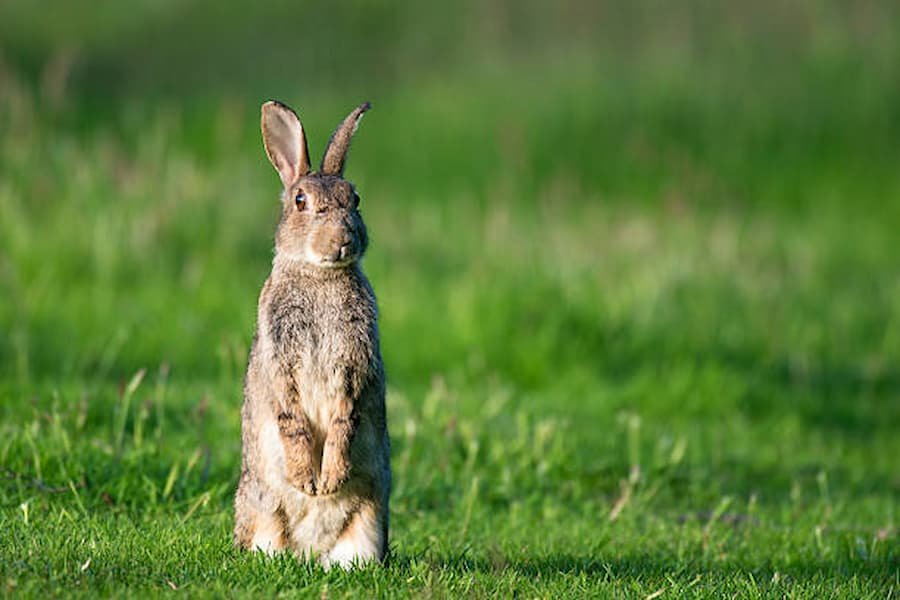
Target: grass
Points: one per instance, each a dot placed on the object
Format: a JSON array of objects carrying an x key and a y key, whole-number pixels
[{"x": 639, "y": 313}]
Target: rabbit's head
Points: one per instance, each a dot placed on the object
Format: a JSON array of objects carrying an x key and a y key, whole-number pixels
[{"x": 320, "y": 221}]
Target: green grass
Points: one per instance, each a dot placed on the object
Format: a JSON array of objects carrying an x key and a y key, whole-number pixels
[{"x": 640, "y": 308}]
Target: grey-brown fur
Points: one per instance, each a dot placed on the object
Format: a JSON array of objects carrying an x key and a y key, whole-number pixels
[
  {"x": 339, "y": 144},
  {"x": 316, "y": 468}
]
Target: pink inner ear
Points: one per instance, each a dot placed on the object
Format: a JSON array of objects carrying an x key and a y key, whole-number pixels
[
  {"x": 284, "y": 162},
  {"x": 283, "y": 139}
]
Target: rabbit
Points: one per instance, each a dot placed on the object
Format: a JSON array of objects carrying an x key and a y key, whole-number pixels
[{"x": 315, "y": 475}]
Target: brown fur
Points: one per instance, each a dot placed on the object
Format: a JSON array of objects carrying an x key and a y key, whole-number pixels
[
  {"x": 339, "y": 144},
  {"x": 316, "y": 468}
]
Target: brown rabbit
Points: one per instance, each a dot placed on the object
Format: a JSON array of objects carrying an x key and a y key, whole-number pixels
[{"x": 316, "y": 472}]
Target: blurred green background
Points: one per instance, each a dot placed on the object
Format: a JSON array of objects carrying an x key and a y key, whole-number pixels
[{"x": 637, "y": 265}]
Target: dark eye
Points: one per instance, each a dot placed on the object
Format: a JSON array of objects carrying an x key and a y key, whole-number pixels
[
  {"x": 300, "y": 200},
  {"x": 355, "y": 200}
]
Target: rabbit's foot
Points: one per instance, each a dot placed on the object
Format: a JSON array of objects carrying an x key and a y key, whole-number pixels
[
  {"x": 304, "y": 479},
  {"x": 334, "y": 475}
]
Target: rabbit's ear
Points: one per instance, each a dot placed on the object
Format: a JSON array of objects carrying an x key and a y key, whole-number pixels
[
  {"x": 284, "y": 141},
  {"x": 336, "y": 151}
]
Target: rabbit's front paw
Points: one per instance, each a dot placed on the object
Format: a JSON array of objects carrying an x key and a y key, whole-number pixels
[
  {"x": 304, "y": 479},
  {"x": 334, "y": 475}
]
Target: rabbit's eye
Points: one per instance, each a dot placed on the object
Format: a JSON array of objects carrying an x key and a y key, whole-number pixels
[
  {"x": 300, "y": 200},
  {"x": 355, "y": 200}
]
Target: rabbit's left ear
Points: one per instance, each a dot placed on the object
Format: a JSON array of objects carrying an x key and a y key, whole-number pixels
[
  {"x": 285, "y": 141},
  {"x": 339, "y": 144}
]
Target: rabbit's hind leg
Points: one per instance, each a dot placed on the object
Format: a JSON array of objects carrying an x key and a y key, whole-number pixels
[
  {"x": 362, "y": 541},
  {"x": 257, "y": 529},
  {"x": 268, "y": 534}
]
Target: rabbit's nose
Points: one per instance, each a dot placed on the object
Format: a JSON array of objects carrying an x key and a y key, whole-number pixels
[{"x": 346, "y": 250}]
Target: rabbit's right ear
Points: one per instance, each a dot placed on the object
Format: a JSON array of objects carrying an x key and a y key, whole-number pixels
[{"x": 284, "y": 141}]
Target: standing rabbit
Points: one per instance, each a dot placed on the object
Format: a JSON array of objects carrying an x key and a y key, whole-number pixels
[{"x": 316, "y": 472}]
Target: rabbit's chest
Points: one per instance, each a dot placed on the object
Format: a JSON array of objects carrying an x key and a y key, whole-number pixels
[
  {"x": 326, "y": 357},
  {"x": 316, "y": 346}
]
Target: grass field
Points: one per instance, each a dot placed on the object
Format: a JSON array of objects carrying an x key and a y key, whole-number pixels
[{"x": 640, "y": 296}]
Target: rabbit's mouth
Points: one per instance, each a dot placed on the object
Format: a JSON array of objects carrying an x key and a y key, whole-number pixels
[
  {"x": 342, "y": 257},
  {"x": 335, "y": 264}
]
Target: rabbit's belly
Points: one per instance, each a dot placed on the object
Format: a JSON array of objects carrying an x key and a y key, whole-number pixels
[{"x": 315, "y": 523}]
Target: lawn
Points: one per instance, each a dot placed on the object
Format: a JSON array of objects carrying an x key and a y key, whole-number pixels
[{"x": 640, "y": 295}]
